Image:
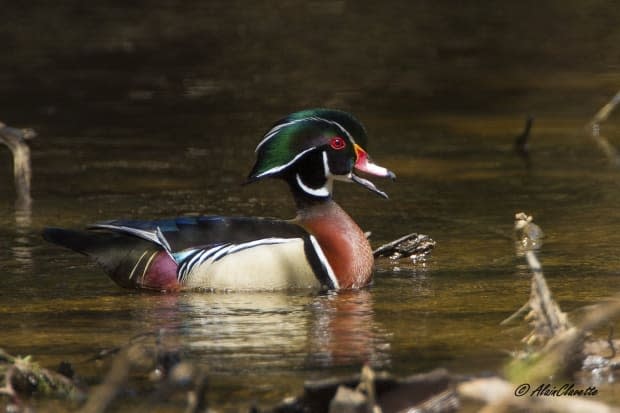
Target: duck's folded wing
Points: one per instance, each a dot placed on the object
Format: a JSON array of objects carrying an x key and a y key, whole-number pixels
[
  {"x": 209, "y": 251},
  {"x": 178, "y": 234}
]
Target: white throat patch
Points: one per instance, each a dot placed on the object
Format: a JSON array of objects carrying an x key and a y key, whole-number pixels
[{"x": 323, "y": 191}]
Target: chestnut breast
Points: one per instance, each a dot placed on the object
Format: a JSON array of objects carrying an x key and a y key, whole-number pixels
[{"x": 343, "y": 242}]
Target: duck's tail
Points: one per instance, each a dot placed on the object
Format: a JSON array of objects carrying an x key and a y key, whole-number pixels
[{"x": 130, "y": 261}]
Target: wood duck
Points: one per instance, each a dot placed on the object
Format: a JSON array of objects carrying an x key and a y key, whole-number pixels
[{"x": 322, "y": 247}]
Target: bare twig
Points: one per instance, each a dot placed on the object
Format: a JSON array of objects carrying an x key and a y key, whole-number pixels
[
  {"x": 562, "y": 347},
  {"x": 610, "y": 341},
  {"x": 114, "y": 381},
  {"x": 15, "y": 140},
  {"x": 595, "y": 130},
  {"x": 545, "y": 315},
  {"x": 603, "y": 113},
  {"x": 521, "y": 144}
]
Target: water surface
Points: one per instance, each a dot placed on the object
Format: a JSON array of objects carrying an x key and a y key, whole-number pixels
[{"x": 129, "y": 132}]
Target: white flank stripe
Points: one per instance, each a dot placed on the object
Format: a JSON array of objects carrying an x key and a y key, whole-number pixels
[
  {"x": 181, "y": 271},
  {"x": 192, "y": 261},
  {"x": 200, "y": 257},
  {"x": 213, "y": 250},
  {"x": 220, "y": 253},
  {"x": 323, "y": 259}
]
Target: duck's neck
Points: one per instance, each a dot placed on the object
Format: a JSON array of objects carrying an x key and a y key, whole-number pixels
[{"x": 343, "y": 242}]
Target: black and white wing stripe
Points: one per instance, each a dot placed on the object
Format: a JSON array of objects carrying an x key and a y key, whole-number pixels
[{"x": 191, "y": 259}]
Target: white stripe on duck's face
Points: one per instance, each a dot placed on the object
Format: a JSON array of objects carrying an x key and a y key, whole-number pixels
[{"x": 279, "y": 168}]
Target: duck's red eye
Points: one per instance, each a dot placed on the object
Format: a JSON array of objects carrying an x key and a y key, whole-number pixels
[{"x": 337, "y": 143}]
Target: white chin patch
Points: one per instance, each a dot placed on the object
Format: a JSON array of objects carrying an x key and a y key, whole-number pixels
[{"x": 322, "y": 191}]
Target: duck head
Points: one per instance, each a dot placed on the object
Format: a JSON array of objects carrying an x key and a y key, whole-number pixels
[{"x": 313, "y": 148}]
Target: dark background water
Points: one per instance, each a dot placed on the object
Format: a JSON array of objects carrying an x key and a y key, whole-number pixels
[{"x": 153, "y": 108}]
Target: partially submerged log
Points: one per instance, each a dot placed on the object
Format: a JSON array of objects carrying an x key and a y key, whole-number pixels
[
  {"x": 414, "y": 246},
  {"x": 372, "y": 391}
]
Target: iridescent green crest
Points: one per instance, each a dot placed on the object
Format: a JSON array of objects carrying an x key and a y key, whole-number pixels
[{"x": 300, "y": 133}]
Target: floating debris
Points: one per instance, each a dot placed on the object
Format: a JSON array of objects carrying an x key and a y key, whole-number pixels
[
  {"x": 529, "y": 235},
  {"x": 21, "y": 379}
]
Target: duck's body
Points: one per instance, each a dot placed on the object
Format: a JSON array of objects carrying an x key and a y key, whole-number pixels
[{"x": 322, "y": 247}]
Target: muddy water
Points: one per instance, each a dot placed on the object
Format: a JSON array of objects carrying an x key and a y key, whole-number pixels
[{"x": 126, "y": 131}]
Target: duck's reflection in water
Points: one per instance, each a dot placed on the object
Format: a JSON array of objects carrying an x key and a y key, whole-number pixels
[
  {"x": 344, "y": 331},
  {"x": 277, "y": 330}
]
